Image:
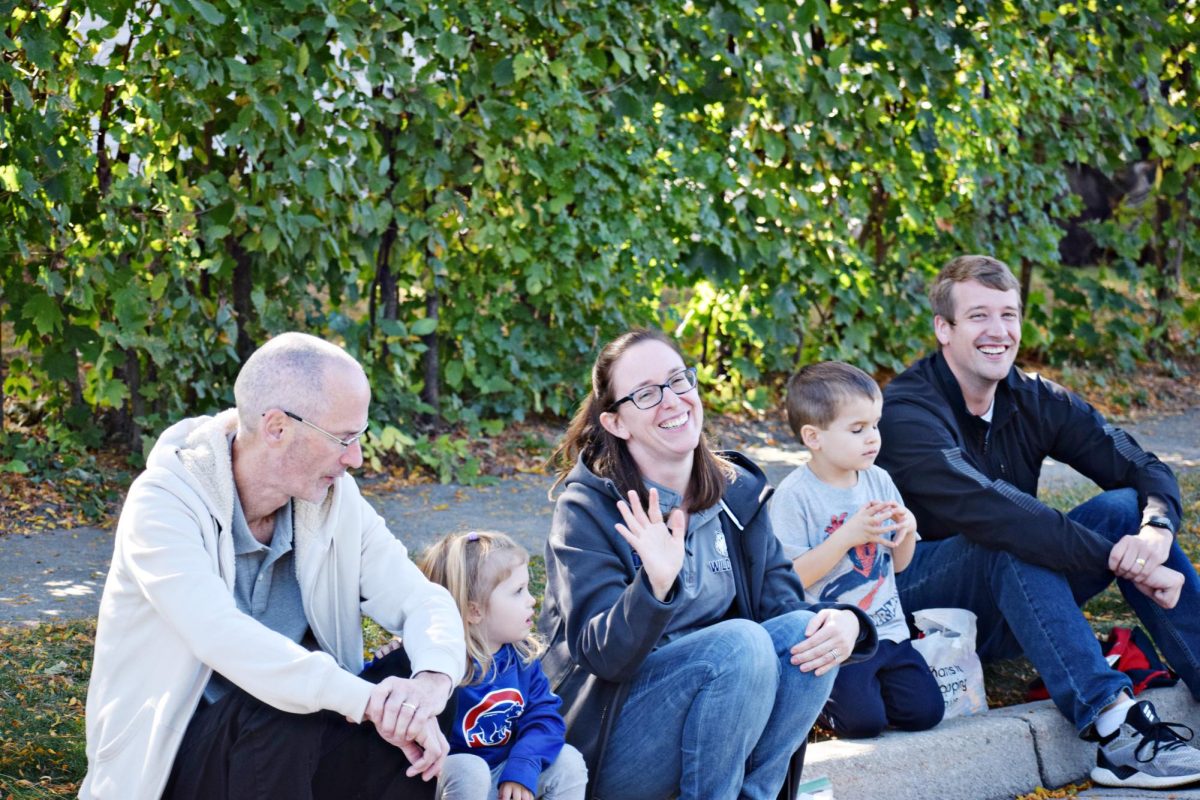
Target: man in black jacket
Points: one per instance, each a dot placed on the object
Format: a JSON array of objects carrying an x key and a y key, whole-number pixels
[{"x": 964, "y": 437}]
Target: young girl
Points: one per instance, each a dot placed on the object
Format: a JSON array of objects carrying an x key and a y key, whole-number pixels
[{"x": 508, "y": 737}]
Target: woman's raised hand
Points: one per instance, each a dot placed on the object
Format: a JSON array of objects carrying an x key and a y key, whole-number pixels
[{"x": 659, "y": 544}]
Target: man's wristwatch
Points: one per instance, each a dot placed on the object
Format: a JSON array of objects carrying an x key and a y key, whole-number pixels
[{"x": 1161, "y": 522}]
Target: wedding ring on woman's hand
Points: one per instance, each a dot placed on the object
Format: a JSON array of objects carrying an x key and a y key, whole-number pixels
[
  {"x": 835, "y": 653},
  {"x": 1141, "y": 562},
  {"x": 413, "y": 706}
]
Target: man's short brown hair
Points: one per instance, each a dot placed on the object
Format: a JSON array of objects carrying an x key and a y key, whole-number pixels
[
  {"x": 991, "y": 272},
  {"x": 817, "y": 392}
]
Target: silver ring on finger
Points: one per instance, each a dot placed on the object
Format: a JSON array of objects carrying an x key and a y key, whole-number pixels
[
  {"x": 413, "y": 706},
  {"x": 836, "y": 656},
  {"x": 1141, "y": 562}
]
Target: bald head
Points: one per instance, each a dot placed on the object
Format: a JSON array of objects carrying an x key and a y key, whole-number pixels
[{"x": 292, "y": 372}]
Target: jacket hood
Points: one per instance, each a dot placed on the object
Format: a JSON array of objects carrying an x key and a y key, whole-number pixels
[
  {"x": 743, "y": 498},
  {"x": 196, "y": 450}
]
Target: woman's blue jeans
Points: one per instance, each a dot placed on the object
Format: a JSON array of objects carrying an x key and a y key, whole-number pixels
[
  {"x": 715, "y": 714},
  {"x": 1024, "y": 608}
]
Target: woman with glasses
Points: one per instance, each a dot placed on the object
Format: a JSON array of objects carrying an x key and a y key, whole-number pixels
[{"x": 688, "y": 661}]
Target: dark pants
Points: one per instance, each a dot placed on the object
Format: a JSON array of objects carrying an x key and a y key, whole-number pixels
[
  {"x": 893, "y": 687},
  {"x": 240, "y": 747}
]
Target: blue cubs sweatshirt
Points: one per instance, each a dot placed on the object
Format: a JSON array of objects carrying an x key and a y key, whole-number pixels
[{"x": 512, "y": 716}]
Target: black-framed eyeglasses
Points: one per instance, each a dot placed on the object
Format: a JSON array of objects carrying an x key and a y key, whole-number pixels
[
  {"x": 343, "y": 442},
  {"x": 646, "y": 397}
]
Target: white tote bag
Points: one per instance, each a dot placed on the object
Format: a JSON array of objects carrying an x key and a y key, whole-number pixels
[{"x": 949, "y": 648}]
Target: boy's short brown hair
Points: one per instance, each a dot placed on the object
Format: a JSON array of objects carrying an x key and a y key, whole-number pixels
[{"x": 816, "y": 393}]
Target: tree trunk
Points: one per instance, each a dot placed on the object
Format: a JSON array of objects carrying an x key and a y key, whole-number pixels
[
  {"x": 1026, "y": 280},
  {"x": 1168, "y": 287},
  {"x": 872, "y": 229},
  {"x": 160, "y": 402},
  {"x": 137, "y": 404},
  {"x": 75, "y": 387},
  {"x": 430, "y": 393},
  {"x": 384, "y": 292},
  {"x": 243, "y": 306}
]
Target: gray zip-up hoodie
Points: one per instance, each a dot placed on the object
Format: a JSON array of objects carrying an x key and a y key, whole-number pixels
[{"x": 601, "y": 619}]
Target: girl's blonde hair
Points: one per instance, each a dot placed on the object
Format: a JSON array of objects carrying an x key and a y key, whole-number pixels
[{"x": 471, "y": 565}]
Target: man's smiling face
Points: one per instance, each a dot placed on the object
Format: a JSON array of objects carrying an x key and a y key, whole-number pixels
[{"x": 980, "y": 343}]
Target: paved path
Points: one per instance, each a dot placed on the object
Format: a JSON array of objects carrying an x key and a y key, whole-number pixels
[{"x": 60, "y": 574}]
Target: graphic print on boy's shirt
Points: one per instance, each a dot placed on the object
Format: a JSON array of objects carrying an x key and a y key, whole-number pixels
[
  {"x": 867, "y": 564},
  {"x": 490, "y": 722},
  {"x": 805, "y": 511}
]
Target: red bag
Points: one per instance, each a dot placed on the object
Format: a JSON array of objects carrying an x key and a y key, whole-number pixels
[{"x": 1128, "y": 650}]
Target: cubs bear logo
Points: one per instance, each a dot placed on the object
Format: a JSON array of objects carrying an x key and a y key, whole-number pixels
[{"x": 490, "y": 722}]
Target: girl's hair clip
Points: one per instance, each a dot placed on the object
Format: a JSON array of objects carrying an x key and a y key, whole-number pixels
[{"x": 472, "y": 537}]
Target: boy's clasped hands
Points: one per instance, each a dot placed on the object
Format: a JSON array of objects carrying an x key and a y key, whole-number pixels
[{"x": 882, "y": 522}]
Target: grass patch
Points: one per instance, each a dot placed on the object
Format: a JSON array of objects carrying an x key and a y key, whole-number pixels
[{"x": 43, "y": 684}]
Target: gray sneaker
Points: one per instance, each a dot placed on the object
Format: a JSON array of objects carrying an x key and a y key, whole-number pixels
[{"x": 1146, "y": 753}]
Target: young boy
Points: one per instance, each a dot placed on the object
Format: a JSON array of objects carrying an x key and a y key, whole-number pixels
[{"x": 843, "y": 524}]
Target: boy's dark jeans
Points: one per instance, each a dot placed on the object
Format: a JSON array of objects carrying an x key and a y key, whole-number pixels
[
  {"x": 240, "y": 747},
  {"x": 892, "y": 687}
]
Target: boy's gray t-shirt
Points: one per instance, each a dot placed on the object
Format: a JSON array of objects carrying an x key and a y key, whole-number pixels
[{"x": 805, "y": 510}]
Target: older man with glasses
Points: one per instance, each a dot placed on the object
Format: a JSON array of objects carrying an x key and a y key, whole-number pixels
[{"x": 229, "y": 642}]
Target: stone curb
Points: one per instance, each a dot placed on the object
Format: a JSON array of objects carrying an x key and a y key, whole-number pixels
[{"x": 994, "y": 756}]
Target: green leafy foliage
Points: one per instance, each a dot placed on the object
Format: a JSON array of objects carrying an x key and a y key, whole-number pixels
[{"x": 473, "y": 197}]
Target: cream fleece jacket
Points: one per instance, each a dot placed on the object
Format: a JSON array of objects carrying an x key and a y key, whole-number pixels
[{"x": 168, "y": 616}]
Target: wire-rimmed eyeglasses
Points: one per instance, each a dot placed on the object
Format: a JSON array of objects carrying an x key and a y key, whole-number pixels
[{"x": 343, "y": 442}]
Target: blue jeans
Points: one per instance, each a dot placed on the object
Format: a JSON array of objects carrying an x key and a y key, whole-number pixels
[
  {"x": 715, "y": 714},
  {"x": 1023, "y": 608}
]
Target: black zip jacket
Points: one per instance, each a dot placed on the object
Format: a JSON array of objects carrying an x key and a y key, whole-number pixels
[
  {"x": 958, "y": 474},
  {"x": 601, "y": 618}
]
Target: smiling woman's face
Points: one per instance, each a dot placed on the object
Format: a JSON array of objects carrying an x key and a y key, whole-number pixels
[{"x": 670, "y": 431}]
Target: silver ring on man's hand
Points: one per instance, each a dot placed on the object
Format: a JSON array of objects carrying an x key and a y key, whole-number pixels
[{"x": 413, "y": 706}]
